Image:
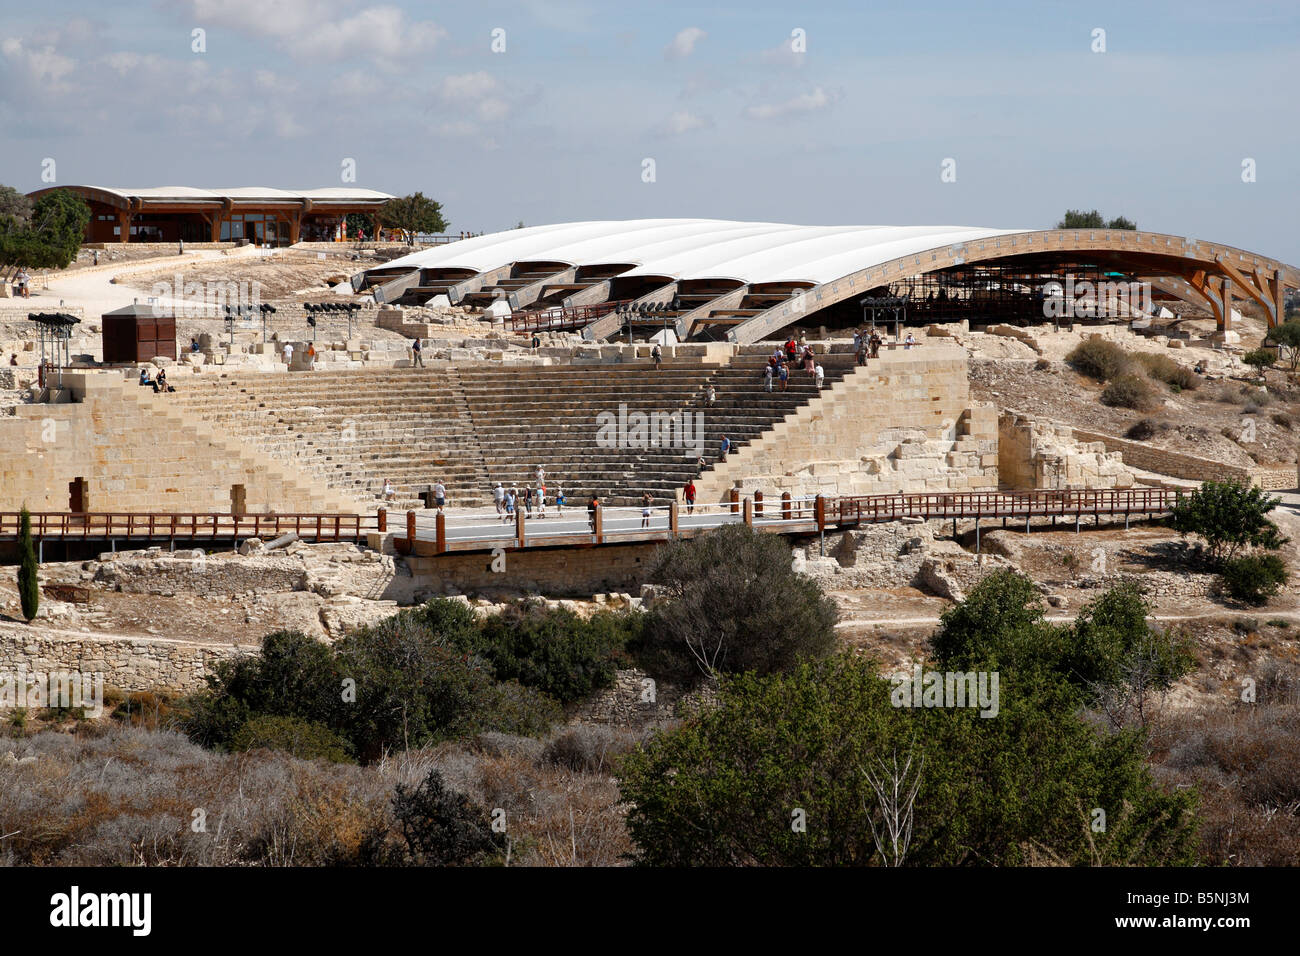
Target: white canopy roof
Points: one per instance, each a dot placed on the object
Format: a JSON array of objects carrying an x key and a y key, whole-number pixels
[
  {"x": 699, "y": 248},
  {"x": 243, "y": 193}
]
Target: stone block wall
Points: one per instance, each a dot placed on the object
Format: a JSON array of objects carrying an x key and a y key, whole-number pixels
[
  {"x": 904, "y": 423},
  {"x": 1033, "y": 453},
  {"x": 567, "y": 572},
  {"x": 141, "y": 452}
]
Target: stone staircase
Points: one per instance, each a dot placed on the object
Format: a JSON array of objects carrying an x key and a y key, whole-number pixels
[{"x": 476, "y": 424}]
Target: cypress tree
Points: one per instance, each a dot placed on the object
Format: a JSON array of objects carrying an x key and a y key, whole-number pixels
[{"x": 28, "y": 589}]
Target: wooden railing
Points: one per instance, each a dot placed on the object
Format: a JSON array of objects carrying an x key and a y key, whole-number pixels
[
  {"x": 126, "y": 525},
  {"x": 560, "y": 319},
  {"x": 854, "y": 510}
]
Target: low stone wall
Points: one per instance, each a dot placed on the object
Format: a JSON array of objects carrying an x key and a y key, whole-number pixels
[
  {"x": 567, "y": 572},
  {"x": 1180, "y": 465},
  {"x": 192, "y": 572},
  {"x": 174, "y": 667}
]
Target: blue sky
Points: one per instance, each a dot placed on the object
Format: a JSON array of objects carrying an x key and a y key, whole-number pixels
[{"x": 558, "y": 125}]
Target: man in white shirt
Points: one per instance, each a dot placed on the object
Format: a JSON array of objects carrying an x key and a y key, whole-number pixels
[
  {"x": 819, "y": 375},
  {"x": 288, "y": 354},
  {"x": 499, "y": 496}
]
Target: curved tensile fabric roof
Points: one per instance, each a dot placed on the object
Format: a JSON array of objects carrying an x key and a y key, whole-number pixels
[{"x": 699, "y": 248}]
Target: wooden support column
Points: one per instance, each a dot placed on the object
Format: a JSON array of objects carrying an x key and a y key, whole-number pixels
[
  {"x": 749, "y": 512},
  {"x": 1225, "y": 300},
  {"x": 672, "y": 518},
  {"x": 381, "y": 516},
  {"x": 600, "y": 523},
  {"x": 521, "y": 540},
  {"x": 441, "y": 533},
  {"x": 819, "y": 512},
  {"x": 758, "y": 503},
  {"x": 410, "y": 530},
  {"x": 734, "y": 497},
  {"x": 785, "y": 505},
  {"x": 124, "y": 225}
]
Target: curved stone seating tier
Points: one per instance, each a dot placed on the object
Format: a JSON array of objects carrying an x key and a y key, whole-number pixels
[{"x": 473, "y": 425}]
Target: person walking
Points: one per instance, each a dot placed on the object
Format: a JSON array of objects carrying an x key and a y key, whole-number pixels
[
  {"x": 657, "y": 354},
  {"x": 909, "y": 341},
  {"x": 510, "y": 505},
  {"x": 389, "y": 491},
  {"x": 528, "y": 501},
  {"x": 592, "y": 505},
  {"x": 791, "y": 349},
  {"x": 439, "y": 495},
  {"x": 710, "y": 396},
  {"x": 875, "y": 344},
  {"x": 689, "y": 494},
  {"x": 541, "y": 501},
  {"x": 559, "y": 498},
  {"x": 784, "y": 375},
  {"x": 724, "y": 447},
  {"x": 311, "y": 356},
  {"x": 499, "y": 498},
  {"x": 540, "y": 474},
  {"x": 768, "y": 371},
  {"x": 417, "y": 354},
  {"x": 288, "y": 354},
  {"x": 646, "y": 501},
  {"x": 819, "y": 375}
]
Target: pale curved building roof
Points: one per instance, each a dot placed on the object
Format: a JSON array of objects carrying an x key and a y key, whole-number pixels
[
  {"x": 699, "y": 248},
  {"x": 239, "y": 193}
]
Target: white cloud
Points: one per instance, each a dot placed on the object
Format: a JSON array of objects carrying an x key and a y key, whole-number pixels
[
  {"x": 479, "y": 92},
  {"x": 41, "y": 66},
  {"x": 683, "y": 44},
  {"x": 321, "y": 28},
  {"x": 684, "y": 121},
  {"x": 818, "y": 99},
  {"x": 783, "y": 55}
]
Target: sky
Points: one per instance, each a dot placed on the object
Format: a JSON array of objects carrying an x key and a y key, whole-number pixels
[{"x": 1178, "y": 115}]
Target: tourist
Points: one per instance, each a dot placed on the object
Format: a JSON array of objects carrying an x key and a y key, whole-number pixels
[
  {"x": 857, "y": 340},
  {"x": 860, "y": 347},
  {"x": 144, "y": 375},
  {"x": 909, "y": 341},
  {"x": 389, "y": 491},
  {"x": 592, "y": 505},
  {"x": 767, "y": 376},
  {"x": 784, "y": 375},
  {"x": 724, "y": 446},
  {"x": 559, "y": 498},
  {"x": 160, "y": 383},
  {"x": 710, "y": 396},
  {"x": 288, "y": 354},
  {"x": 701, "y": 464},
  {"x": 646, "y": 501},
  {"x": 689, "y": 494},
  {"x": 22, "y": 280},
  {"x": 819, "y": 375},
  {"x": 541, "y": 501},
  {"x": 13, "y": 360},
  {"x": 311, "y": 356},
  {"x": 540, "y": 474},
  {"x": 537, "y": 341},
  {"x": 510, "y": 504},
  {"x": 96, "y": 256},
  {"x": 528, "y": 501},
  {"x": 417, "y": 360},
  {"x": 791, "y": 349},
  {"x": 775, "y": 358},
  {"x": 194, "y": 344},
  {"x": 808, "y": 360},
  {"x": 499, "y": 497},
  {"x": 875, "y": 344},
  {"x": 657, "y": 354},
  {"x": 439, "y": 495}
]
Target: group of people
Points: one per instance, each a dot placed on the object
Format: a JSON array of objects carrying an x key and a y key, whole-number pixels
[
  {"x": 287, "y": 352},
  {"x": 793, "y": 355},
  {"x": 509, "y": 500},
  {"x": 866, "y": 344},
  {"x": 160, "y": 383}
]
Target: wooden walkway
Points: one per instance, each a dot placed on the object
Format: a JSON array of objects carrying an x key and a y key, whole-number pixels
[{"x": 426, "y": 533}]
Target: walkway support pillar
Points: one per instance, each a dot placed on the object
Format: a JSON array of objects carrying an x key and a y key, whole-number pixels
[
  {"x": 441, "y": 534},
  {"x": 381, "y": 516},
  {"x": 410, "y": 530},
  {"x": 785, "y": 506},
  {"x": 819, "y": 512},
  {"x": 673, "y": 515},
  {"x": 521, "y": 539},
  {"x": 749, "y": 512},
  {"x": 758, "y": 503},
  {"x": 734, "y": 497},
  {"x": 600, "y": 523}
]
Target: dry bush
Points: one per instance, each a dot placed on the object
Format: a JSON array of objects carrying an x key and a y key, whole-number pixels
[
  {"x": 590, "y": 748},
  {"x": 1100, "y": 360},
  {"x": 1128, "y": 391},
  {"x": 1164, "y": 369},
  {"x": 1143, "y": 430}
]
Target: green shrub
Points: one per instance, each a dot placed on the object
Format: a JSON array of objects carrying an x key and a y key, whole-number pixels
[
  {"x": 29, "y": 589},
  {"x": 1099, "y": 359},
  {"x": 732, "y": 603},
  {"x": 1128, "y": 391},
  {"x": 552, "y": 650},
  {"x": 293, "y": 735},
  {"x": 441, "y": 827},
  {"x": 1229, "y": 516},
  {"x": 1259, "y": 359},
  {"x": 1254, "y": 578}
]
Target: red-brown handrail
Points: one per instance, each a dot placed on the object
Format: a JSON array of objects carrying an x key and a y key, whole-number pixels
[
  {"x": 197, "y": 526},
  {"x": 559, "y": 318}
]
